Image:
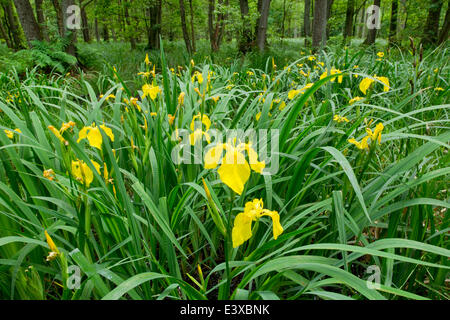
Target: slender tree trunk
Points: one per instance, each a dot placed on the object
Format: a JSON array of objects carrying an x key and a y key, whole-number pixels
[
  {"x": 72, "y": 34},
  {"x": 41, "y": 19},
  {"x": 394, "y": 22},
  {"x": 113, "y": 33},
  {"x": 443, "y": 35},
  {"x": 215, "y": 30},
  {"x": 28, "y": 21},
  {"x": 319, "y": 24},
  {"x": 348, "y": 29},
  {"x": 255, "y": 33},
  {"x": 105, "y": 33},
  {"x": 307, "y": 19},
  {"x": 372, "y": 34},
  {"x": 220, "y": 26},
  {"x": 283, "y": 20},
  {"x": 431, "y": 31},
  {"x": 187, "y": 41},
  {"x": 263, "y": 21},
  {"x": 155, "y": 25},
  {"x": 5, "y": 36},
  {"x": 192, "y": 26},
  {"x": 246, "y": 33},
  {"x": 361, "y": 22},
  {"x": 84, "y": 23},
  {"x": 329, "y": 11},
  {"x": 132, "y": 39},
  {"x": 211, "y": 5},
  {"x": 59, "y": 16},
  {"x": 13, "y": 23},
  {"x": 97, "y": 32}
]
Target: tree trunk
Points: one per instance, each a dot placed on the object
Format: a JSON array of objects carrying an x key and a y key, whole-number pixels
[
  {"x": 155, "y": 25},
  {"x": 71, "y": 34},
  {"x": 211, "y": 4},
  {"x": 319, "y": 24},
  {"x": 215, "y": 30},
  {"x": 28, "y": 21},
  {"x": 84, "y": 23},
  {"x": 132, "y": 39},
  {"x": 246, "y": 33},
  {"x": 394, "y": 22},
  {"x": 105, "y": 33},
  {"x": 443, "y": 36},
  {"x": 192, "y": 26},
  {"x": 13, "y": 25},
  {"x": 283, "y": 22},
  {"x": 97, "y": 32},
  {"x": 5, "y": 36},
  {"x": 431, "y": 31},
  {"x": 372, "y": 35},
  {"x": 187, "y": 41},
  {"x": 348, "y": 29},
  {"x": 113, "y": 33},
  {"x": 59, "y": 17},
  {"x": 329, "y": 10},
  {"x": 307, "y": 19},
  {"x": 262, "y": 28},
  {"x": 362, "y": 21},
  {"x": 41, "y": 19}
]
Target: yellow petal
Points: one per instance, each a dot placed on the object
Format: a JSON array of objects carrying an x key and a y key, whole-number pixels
[
  {"x": 50, "y": 243},
  {"x": 242, "y": 229},
  {"x": 277, "y": 228},
  {"x": 108, "y": 132},
  {"x": 55, "y": 132},
  {"x": 95, "y": 138},
  {"x": 256, "y": 165},
  {"x": 385, "y": 82},
  {"x": 365, "y": 85},
  {"x": 195, "y": 136},
  {"x": 234, "y": 171},
  {"x": 213, "y": 156}
]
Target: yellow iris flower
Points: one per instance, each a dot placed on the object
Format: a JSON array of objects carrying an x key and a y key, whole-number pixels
[
  {"x": 254, "y": 210},
  {"x": 376, "y": 134},
  {"x": 54, "y": 252},
  {"x": 234, "y": 170},
  {"x": 355, "y": 99},
  {"x": 360, "y": 145},
  {"x": 151, "y": 91},
  {"x": 293, "y": 93},
  {"x": 198, "y": 133},
  {"x": 199, "y": 77},
  {"x": 94, "y": 136},
  {"x": 181, "y": 98},
  {"x": 367, "y": 82},
  {"x": 340, "y": 119},
  {"x": 49, "y": 174},
  {"x": 82, "y": 172},
  {"x": 333, "y": 71},
  {"x": 372, "y": 135},
  {"x": 10, "y": 134},
  {"x": 58, "y": 133}
]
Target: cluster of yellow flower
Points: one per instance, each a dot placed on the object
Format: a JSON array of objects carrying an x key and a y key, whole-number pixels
[
  {"x": 373, "y": 136},
  {"x": 79, "y": 169}
]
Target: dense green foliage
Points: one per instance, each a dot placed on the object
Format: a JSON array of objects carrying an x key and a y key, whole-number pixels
[{"x": 150, "y": 231}]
